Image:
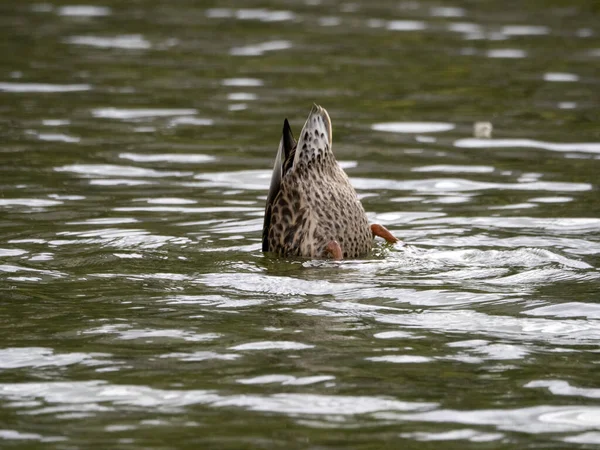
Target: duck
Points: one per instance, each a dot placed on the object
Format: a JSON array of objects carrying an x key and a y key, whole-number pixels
[{"x": 312, "y": 209}]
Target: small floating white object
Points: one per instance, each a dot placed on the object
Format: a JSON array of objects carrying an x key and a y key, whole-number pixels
[{"x": 482, "y": 130}]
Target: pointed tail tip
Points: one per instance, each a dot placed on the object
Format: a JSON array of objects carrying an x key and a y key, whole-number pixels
[{"x": 287, "y": 136}]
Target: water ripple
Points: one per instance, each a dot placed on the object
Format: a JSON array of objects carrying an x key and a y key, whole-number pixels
[
  {"x": 83, "y": 395},
  {"x": 260, "y": 49},
  {"x": 537, "y": 419},
  {"x": 272, "y": 345},
  {"x": 454, "y": 435},
  {"x": 43, "y": 87},
  {"x": 34, "y": 357},
  {"x": 587, "y": 147},
  {"x": 286, "y": 380},
  {"x": 126, "y": 332},
  {"x": 112, "y": 170},
  {"x": 560, "y": 387},
  {"x": 125, "y": 41},
  {"x": 413, "y": 127},
  {"x": 83, "y": 11},
  {"x": 262, "y": 15},
  {"x": 139, "y": 113},
  {"x": 566, "y": 310},
  {"x": 567, "y": 332}
]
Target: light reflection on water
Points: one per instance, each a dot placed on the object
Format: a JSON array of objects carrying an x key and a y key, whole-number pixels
[{"x": 137, "y": 308}]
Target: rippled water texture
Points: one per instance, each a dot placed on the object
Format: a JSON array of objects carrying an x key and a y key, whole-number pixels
[{"x": 136, "y": 308}]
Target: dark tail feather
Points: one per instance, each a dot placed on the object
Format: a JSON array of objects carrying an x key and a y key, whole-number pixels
[
  {"x": 287, "y": 144},
  {"x": 288, "y": 139}
]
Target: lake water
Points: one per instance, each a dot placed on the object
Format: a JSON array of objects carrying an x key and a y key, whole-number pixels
[{"x": 136, "y": 308}]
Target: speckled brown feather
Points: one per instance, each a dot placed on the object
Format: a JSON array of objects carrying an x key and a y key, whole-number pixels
[{"x": 311, "y": 201}]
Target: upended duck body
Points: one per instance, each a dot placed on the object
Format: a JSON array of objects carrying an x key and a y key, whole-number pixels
[{"x": 312, "y": 209}]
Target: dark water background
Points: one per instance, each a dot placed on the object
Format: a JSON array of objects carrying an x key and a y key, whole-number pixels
[{"x": 136, "y": 309}]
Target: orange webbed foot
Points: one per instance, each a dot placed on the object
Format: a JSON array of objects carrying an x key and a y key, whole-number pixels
[
  {"x": 335, "y": 250},
  {"x": 383, "y": 232}
]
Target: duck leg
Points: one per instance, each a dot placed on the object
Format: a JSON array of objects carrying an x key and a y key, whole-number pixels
[
  {"x": 334, "y": 249},
  {"x": 383, "y": 232}
]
